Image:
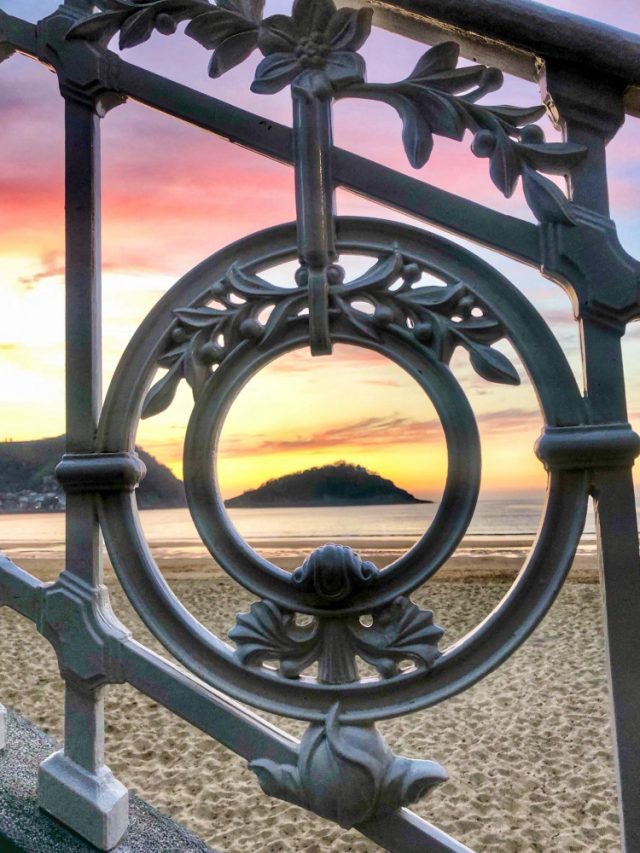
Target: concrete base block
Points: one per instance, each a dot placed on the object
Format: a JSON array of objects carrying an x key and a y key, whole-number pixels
[
  {"x": 25, "y": 828},
  {"x": 3, "y": 727},
  {"x": 95, "y": 805}
]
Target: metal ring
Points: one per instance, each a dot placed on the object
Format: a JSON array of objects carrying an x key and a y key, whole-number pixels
[
  {"x": 482, "y": 649},
  {"x": 242, "y": 563}
]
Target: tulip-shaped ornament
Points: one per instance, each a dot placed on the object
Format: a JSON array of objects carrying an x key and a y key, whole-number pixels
[{"x": 348, "y": 774}]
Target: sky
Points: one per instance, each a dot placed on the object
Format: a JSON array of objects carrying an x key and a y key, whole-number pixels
[{"x": 173, "y": 194}]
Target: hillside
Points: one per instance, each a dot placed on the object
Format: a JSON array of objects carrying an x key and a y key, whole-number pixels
[
  {"x": 340, "y": 484},
  {"x": 30, "y": 465}
]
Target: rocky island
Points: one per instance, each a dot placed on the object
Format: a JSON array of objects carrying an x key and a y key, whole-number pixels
[{"x": 339, "y": 484}]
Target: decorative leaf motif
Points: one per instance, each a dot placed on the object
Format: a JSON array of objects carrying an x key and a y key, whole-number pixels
[
  {"x": 441, "y": 115},
  {"x": 554, "y": 158},
  {"x": 400, "y": 631},
  {"x": 482, "y": 329},
  {"x": 195, "y": 371},
  {"x": 252, "y": 10},
  {"x": 383, "y": 273},
  {"x": 199, "y": 318},
  {"x": 279, "y": 316},
  {"x": 212, "y": 28},
  {"x": 357, "y": 319},
  {"x": 432, "y": 296},
  {"x": 349, "y": 29},
  {"x": 231, "y": 52},
  {"x": 269, "y": 633},
  {"x": 277, "y": 35},
  {"x": 252, "y": 285},
  {"x": 493, "y": 365},
  {"x": 344, "y": 68},
  {"x": 137, "y": 28},
  {"x": 459, "y": 80},
  {"x": 442, "y": 57},
  {"x": 205, "y": 335},
  {"x": 547, "y": 202},
  {"x": 416, "y": 134},
  {"x": 136, "y": 19},
  {"x": 504, "y": 165},
  {"x": 309, "y": 17},
  {"x": 517, "y": 116},
  {"x": 438, "y": 317},
  {"x": 274, "y": 72},
  {"x": 167, "y": 358},
  {"x": 413, "y": 780},
  {"x": 162, "y": 393},
  {"x": 429, "y": 102},
  {"x": 314, "y": 51},
  {"x": 410, "y": 630},
  {"x": 431, "y": 310},
  {"x": 102, "y": 26},
  {"x": 279, "y": 780},
  {"x": 491, "y": 80},
  {"x": 230, "y": 31}
]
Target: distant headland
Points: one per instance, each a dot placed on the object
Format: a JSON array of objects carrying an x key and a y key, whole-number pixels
[
  {"x": 28, "y": 483},
  {"x": 339, "y": 484}
]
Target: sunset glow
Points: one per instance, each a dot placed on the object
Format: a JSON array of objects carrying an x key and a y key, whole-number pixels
[{"x": 174, "y": 194}]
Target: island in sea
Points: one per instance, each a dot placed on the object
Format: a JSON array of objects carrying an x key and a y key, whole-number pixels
[
  {"x": 339, "y": 484},
  {"x": 28, "y": 483}
]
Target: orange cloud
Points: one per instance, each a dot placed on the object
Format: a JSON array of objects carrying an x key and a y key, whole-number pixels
[{"x": 365, "y": 433}]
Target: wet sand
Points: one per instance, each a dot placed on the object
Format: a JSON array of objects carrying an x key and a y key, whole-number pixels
[
  {"x": 477, "y": 558},
  {"x": 527, "y": 750}
]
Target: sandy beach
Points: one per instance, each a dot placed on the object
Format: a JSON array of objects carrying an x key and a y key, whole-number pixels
[{"x": 528, "y": 749}]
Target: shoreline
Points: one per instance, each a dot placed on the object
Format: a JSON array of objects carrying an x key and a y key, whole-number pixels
[{"x": 478, "y": 557}]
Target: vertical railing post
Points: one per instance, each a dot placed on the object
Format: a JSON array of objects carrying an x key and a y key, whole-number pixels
[
  {"x": 3, "y": 727},
  {"x": 591, "y": 112},
  {"x": 75, "y": 786}
]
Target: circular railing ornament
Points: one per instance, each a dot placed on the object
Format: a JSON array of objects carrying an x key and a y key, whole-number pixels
[
  {"x": 208, "y": 331},
  {"x": 400, "y": 631}
]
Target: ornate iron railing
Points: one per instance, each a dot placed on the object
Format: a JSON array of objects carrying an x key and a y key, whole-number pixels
[{"x": 207, "y": 331}]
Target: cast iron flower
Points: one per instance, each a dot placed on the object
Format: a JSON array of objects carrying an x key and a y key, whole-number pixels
[{"x": 315, "y": 47}]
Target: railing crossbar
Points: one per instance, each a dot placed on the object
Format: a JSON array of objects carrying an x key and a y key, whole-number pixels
[{"x": 227, "y": 721}]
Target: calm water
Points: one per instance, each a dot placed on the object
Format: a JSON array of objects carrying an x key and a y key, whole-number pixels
[{"x": 173, "y": 531}]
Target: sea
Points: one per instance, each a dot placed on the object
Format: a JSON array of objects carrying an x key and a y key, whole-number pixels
[{"x": 499, "y": 525}]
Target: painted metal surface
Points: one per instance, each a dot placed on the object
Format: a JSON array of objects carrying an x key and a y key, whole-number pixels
[
  {"x": 517, "y": 35},
  {"x": 209, "y": 330}
]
